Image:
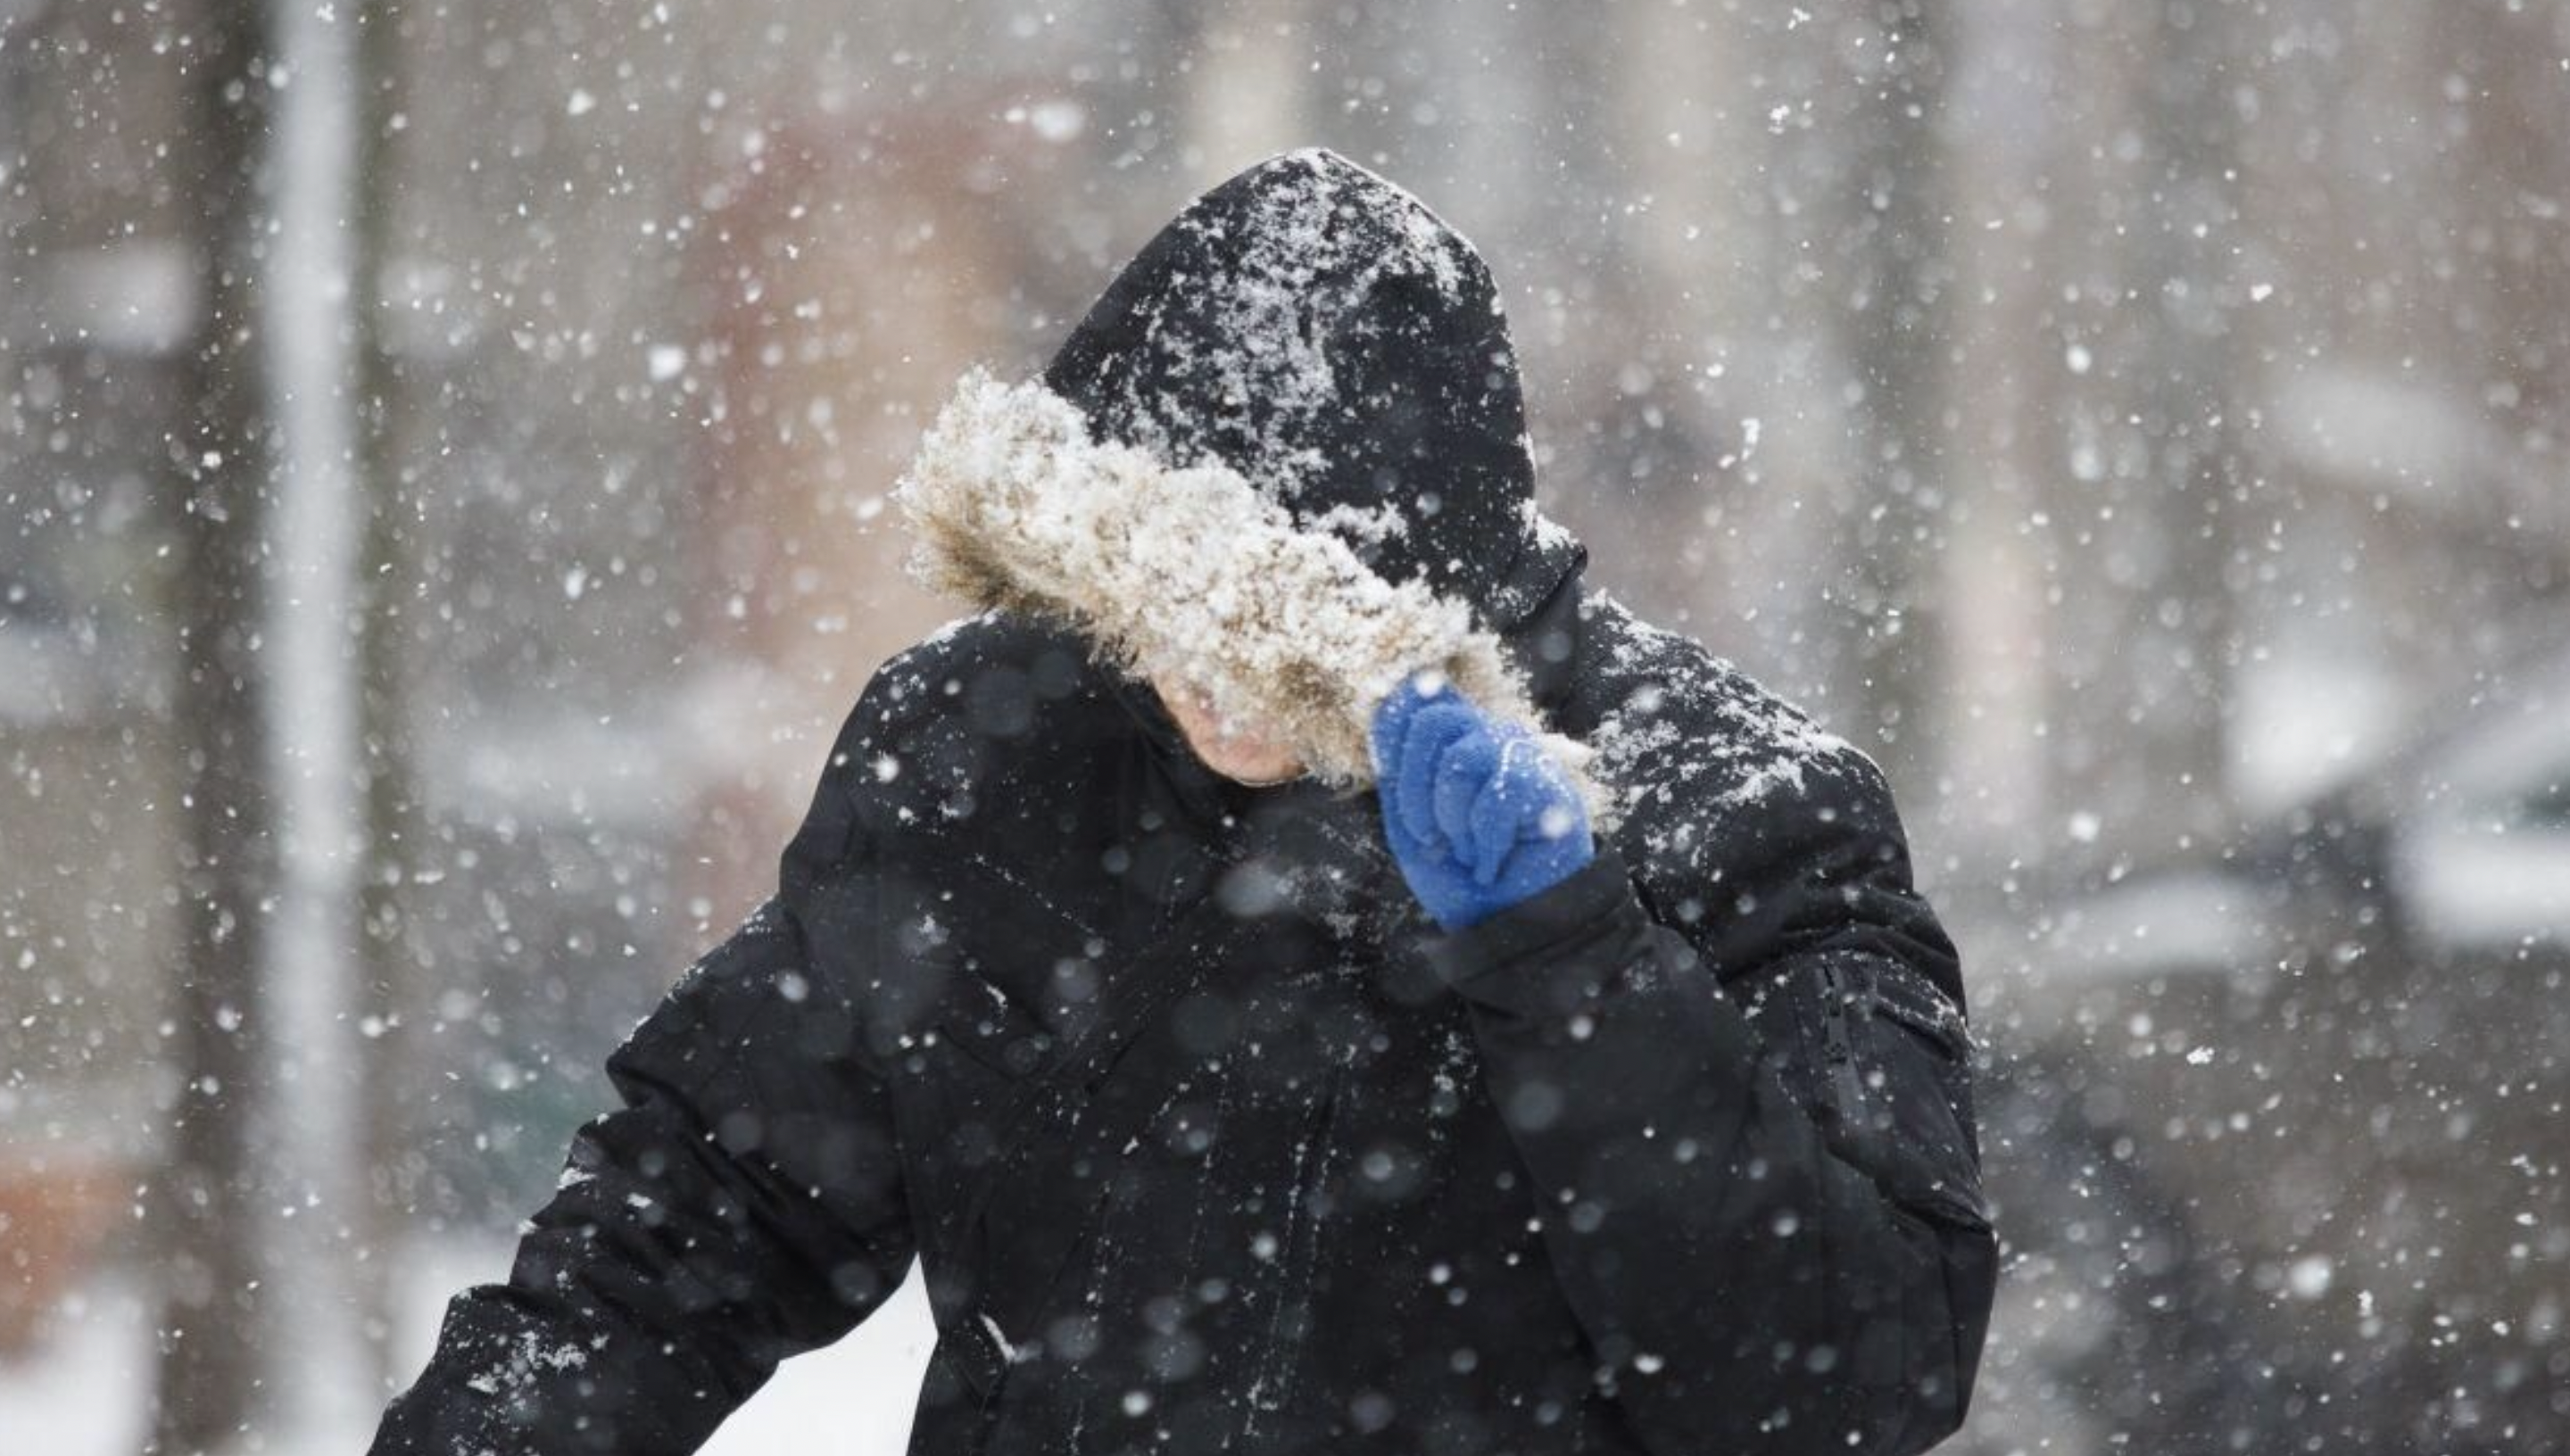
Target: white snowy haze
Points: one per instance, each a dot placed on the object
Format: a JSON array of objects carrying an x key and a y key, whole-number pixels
[{"x": 446, "y": 459}]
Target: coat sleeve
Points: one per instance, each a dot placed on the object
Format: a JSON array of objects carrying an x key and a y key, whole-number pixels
[
  {"x": 1763, "y": 1204},
  {"x": 743, "y": 1204}
]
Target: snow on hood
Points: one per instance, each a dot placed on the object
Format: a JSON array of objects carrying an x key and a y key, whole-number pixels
[{"x": 1336, "y": 343}]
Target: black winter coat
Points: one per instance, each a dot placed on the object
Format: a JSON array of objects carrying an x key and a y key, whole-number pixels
[{"x": 1206, "y": 1140}]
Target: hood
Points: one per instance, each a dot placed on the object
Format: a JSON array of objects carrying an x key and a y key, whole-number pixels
[
  {"x": 1281, "y": 461},
  {"x": 1321, "y": 332}
]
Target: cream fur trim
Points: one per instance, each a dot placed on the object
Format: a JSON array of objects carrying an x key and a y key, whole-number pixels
[{"x": 1187, "y": 574}]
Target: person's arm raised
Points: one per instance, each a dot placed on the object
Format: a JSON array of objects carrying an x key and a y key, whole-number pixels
[{"x": 1770, "y": 1227}]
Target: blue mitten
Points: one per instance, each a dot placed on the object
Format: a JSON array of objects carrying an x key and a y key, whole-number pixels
[{"x": 1478, "y": 816}]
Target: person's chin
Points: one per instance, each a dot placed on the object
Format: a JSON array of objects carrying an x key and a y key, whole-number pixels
[{"x": 1255, "y": 770}]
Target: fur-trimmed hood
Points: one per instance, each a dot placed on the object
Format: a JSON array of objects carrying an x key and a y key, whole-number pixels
[{"x": 1284, "y": 457}]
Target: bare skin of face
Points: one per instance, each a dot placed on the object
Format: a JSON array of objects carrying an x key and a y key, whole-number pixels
[{"x": 1236, "y": 752}]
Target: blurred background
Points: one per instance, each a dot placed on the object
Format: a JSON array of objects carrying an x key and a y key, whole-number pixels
[{"x": 443, "y": 458}]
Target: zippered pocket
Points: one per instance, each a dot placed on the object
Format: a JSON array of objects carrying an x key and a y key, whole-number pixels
[
  {"x": 1881, "y": 1061},
  {"x": 1846, "y": 1001},
  {"x": 1919, "y": 1068}
]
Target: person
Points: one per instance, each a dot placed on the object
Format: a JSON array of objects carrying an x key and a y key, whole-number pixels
[{"x": 1228, "y": 1107}]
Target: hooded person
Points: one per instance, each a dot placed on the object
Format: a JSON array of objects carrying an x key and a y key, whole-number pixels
[{"x": 1554, "y": 1057}]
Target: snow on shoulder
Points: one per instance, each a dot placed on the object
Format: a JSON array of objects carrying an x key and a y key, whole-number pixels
[
  {"x": 1187, "y": 573},
  {"x": 1694, "y": 748}
]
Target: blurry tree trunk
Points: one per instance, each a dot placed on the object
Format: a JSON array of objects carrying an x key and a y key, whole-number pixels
[
  {"x": 316, "y": 1157},
  {"x": 387, "y": 583},
  {"x": 2510, "y": 166},
  {"x": 1606, "y": 412},
  {"x": 213, "y": 1320},
  {"x": 1891, "y": 318},
  {"x": 1248, "y": 97},
  {"x": 1160, "y": 44},
  {"x": 2185, "y": 388}
]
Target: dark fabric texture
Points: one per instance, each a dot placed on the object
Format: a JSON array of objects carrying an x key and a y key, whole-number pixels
[{"x": 1208, "y": 1141}]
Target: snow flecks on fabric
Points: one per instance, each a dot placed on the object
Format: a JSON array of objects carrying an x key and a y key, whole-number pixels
[
  {"x": 764, "y": 920},
  {"x": 1456, "y": 1069},
  {"x": 1016, "y": 1354},
  {"x": 518, "y": 1367},
  {"x": 1188, "y": 574},
  {"x": 1274, "y": 1364},
  {"x": 1546, "y": 533},
  {"x": 949, "y": 629},
  {"x": 1306, "y": 257},
  {"x": 1371, "y": 524},
  {"x": 1764, "y": 747}
]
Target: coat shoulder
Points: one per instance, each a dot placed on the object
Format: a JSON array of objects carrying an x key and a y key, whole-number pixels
[
  {"x": 1702, "y": 759},
  {"x": 944, "y": 724}
]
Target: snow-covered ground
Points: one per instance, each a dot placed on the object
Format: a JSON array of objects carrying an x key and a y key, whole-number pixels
[{"x": 84, "y": 1392}]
